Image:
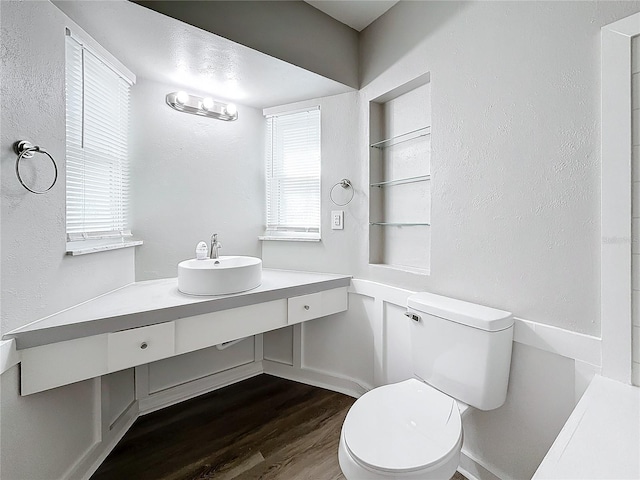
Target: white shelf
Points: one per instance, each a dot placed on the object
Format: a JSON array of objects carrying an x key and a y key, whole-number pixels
[
  {"x": 402, "y": 181},
  {"x": 399, "y": 224},
  {"x": 404, "y": 137}
]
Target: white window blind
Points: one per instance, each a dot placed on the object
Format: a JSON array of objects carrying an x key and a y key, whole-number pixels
[
  {"x": 97, "y": 163},
  {"x": 293, "y": 174}
]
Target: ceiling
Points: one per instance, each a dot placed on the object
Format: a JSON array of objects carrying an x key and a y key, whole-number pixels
[
  {"x": 358, "y": 14},
  {"x": 186, "y": 57}
]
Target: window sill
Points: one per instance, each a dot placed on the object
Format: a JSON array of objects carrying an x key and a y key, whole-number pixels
[
  {"x": 289, "y": 238},
  {"x": 83, "y": 247}
]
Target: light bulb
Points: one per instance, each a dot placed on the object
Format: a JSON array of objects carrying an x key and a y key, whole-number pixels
[
  {"x": 231, "y": 109},
  {"x": 182, "y": 97},
  {"x": 207, "y": 103}
]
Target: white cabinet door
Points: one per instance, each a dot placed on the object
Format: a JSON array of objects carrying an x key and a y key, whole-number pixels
[
  {"x": 140, "y": 345},
  {"x": 314, "y": 305}
]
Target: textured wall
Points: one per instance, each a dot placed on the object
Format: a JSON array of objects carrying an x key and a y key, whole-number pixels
[
  {"x": 192, "y": 176},
  {"x": 340, "y": 154},
  {"x": 37, "y": 278},
  {"x": 515, "y": 98},
  {"x": 515, "y": 161},
  {"x": 635, "y": 93},
  {"x": 44, "y": 434},
  {"x": 515, "y": 148},
  {"x": 516, "y": 190}
]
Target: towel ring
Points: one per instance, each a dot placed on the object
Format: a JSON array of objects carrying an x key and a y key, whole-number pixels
[
  {"x": 26, "y": 149},
  {"x": 344, "y": 183}
]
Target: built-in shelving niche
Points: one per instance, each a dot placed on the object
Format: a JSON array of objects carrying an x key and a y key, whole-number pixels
[{"x": 400, "y": 177}]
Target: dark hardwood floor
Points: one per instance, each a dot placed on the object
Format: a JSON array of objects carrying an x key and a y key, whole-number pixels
[{"x": 262, "y": 428}]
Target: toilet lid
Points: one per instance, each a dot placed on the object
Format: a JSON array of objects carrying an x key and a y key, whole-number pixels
[{"x": 402, "y": 427}]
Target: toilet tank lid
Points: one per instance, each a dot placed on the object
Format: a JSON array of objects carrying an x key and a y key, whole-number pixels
[{"x": 471, "y": 314}]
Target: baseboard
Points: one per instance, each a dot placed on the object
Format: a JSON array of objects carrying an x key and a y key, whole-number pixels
[
  {"x": 316, "y": 379},
  {"x": 474, "y": 470},
  {"x": 195, "y": 388},
  {"x": 89, "y": 463},
  {"x": 466, "y": 473}
]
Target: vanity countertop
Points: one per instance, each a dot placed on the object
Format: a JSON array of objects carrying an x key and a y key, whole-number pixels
[
  {"x": 601, "y": 438},
  {"x": 156, "y": 301}
]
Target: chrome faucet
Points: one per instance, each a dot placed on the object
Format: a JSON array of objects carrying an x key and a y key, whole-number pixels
[{"x": 215, "y": 245}]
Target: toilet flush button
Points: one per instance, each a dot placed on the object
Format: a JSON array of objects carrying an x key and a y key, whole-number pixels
[{"x": 413, "y": 316}]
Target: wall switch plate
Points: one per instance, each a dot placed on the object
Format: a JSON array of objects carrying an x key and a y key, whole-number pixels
[{"x": 337, "y": 220}]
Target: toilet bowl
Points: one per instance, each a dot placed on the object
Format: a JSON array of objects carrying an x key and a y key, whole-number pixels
[
  {"x": 407, "y": 430},
  {"x": 461, "y": 356}
]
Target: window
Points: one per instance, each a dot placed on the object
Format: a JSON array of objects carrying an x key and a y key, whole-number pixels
[
  {"x": 293, "y": 176},
  {"x": 97, "y": 163}
]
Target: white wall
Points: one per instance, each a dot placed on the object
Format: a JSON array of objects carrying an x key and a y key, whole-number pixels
[
  {"x": 37, "y": 278},
  {"x": 515, "y": 204},
  {"x": 515, "y": 154},
  {"x": 512, "y": 440},
  {"x": 635, "y": 168},
  {"x": 191, "y": 177},
  {"x": 43, "y": 435},
  {"x": 515, "y": 148},
  {"x": 515, "y": 200},
  {"x": 341, "y": 134},
  {"x": 343, "y": 345}
]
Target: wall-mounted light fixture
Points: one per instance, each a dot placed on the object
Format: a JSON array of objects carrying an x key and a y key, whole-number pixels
[{"x": 207, "y": 106}]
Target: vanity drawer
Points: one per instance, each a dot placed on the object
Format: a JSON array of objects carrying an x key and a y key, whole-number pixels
[
  {"x": 140, "y": 345},
  {"x": 314, "y": 305},
  {"x": 202, "y": 331},
  {"x": 62, "y": 363}
]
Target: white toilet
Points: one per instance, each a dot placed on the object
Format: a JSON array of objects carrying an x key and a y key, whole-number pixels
[{"x": 461, "y": 354}]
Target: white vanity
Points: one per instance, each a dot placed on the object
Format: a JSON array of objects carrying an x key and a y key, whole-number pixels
[{"x": 148, "y": 321}]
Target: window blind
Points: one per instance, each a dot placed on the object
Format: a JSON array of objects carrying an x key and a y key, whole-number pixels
[
  {"x": 293, "y": 173},
  {"x": 97, "y": 164}
]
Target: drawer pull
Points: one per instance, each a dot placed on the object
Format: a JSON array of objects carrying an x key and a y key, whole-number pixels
[
  {"x": 143, "y": 345},
  {"x": 306, "y": 307}
]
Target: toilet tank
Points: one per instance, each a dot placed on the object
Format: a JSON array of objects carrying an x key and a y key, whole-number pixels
[{"x": 461, "y": 348}]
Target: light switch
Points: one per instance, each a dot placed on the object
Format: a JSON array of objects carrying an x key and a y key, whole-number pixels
[{"x": 337, "y": 220}]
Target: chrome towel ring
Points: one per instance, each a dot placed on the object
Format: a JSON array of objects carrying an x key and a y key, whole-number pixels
[
  {"x": 26, "y": 149},
  {"x": 344, "y": 183}
]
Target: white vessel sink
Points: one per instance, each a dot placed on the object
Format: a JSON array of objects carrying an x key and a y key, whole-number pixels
[{"x": 219, "y": 276}]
